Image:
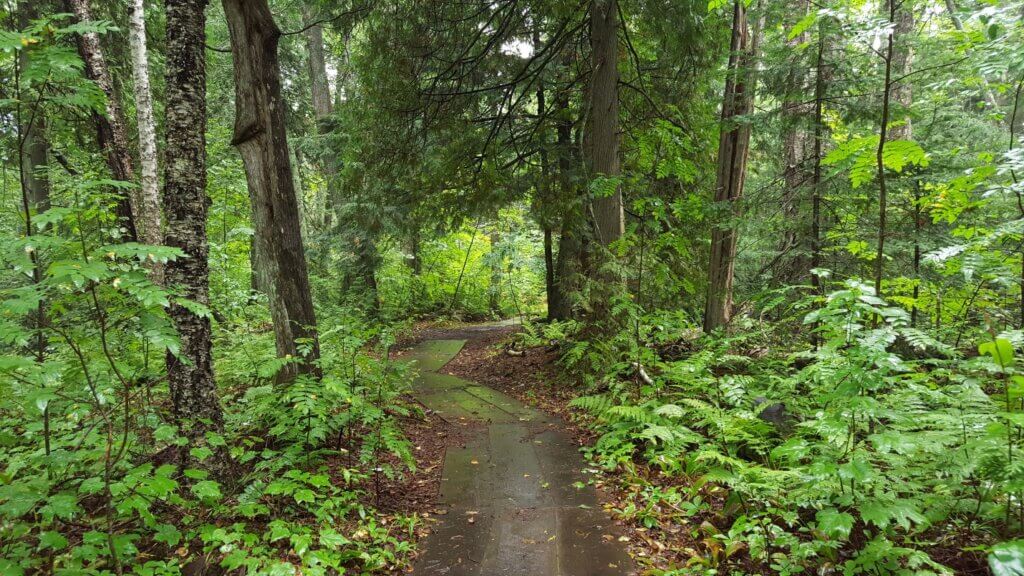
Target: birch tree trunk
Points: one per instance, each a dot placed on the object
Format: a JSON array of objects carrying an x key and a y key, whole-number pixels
[
  {"x": 190, "y": 373},
  {"x": 733, "y": 146},
  {"x": 33, "y": 163},
  {"x": 149, "y": 185},
  {"x": 112, "y": 132},
  {"x": 263, "y": 144}
]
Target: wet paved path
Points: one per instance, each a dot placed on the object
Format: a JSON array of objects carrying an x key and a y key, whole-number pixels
[{"x": 511, "y": 507}]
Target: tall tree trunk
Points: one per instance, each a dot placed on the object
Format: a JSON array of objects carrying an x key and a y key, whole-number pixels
[
  {"x": 733, "y": 146},
  {"x": 494, "y": 287},
  {"x": 149, "y": 184},
  {"x": 544, "y": 189},
  {"x": 603, "y": 119},
  {"x": 1020, "y": 197},
  {"x": 317, "y": 66},
  {"x": 366, "y": 264},
  {"x": 35, "y": 196},
  {"x": 567, "y": 267},
  {"x": 322, "y": 104},
  {"x": 901, "y": 13},
  {"x": 918, "y": 225},
  {"x": 34, "y": 156},
  {"x": 883, "y": 136},
  {"x": 263, "y": 144},
  {"x": 190, "y": 372},
  {"x": 602, "y": 145},
  {"x": 416, "y": 263},
  {"x": 112, "y": 132},
  {"x": 550, "y": 287},
  {"x": 795, "y": 140},
  {"x": 819, "y": 141}
]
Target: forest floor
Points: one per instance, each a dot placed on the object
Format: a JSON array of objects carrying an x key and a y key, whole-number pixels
[
  {"x": 534, "y": 378},
  {"x": 674, "y": 539},
  {"x": 507, "y": 490}
]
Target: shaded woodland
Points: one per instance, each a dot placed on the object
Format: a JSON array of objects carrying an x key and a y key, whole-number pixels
[{"x": 771, "y": 252}]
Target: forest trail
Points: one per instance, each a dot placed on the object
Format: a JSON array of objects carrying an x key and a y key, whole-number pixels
[{"x": 508, "y": 495}]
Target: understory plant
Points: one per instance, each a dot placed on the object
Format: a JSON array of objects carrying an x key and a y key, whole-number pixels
[{"x": 865, "y": 452}]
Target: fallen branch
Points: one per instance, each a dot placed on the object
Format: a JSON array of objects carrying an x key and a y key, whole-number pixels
[{"x": 642, "y": 374}]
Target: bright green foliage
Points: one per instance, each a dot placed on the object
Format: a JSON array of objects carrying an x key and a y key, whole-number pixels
[
  {"x": 873, "y": 444},
  {"x": 829, "y": 429}
]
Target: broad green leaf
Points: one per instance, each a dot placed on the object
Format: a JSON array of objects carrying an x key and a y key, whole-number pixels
[
  {"x": 1000, "y": 350},
  {"x": 1007, "y": 559},
  {"x": 834, "y": 523},
  {"x": 207, "y": 490}
]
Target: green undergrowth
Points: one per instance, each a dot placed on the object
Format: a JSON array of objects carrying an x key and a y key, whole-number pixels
[
  {"x": 878, "y": 451},
  {"x": 91, "y": 481}
]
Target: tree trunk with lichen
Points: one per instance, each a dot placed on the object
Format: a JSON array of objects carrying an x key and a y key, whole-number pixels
[
  {"x": 195, "y": 403},
  {"x": 112, "y": 132},
  {"x": 149, "y": 184},
  {"x": 262, "y": 141}
]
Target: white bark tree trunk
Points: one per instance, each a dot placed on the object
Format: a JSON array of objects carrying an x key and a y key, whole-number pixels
[
  {"x": 149, "y": 182},
  {"x": 112, "y": 131}
]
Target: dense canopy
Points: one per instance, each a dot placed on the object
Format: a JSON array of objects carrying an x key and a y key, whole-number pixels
[{"x": 765, "y": 257}]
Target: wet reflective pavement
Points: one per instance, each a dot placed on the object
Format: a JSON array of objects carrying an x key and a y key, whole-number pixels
[{"x": 514, "y": 499}]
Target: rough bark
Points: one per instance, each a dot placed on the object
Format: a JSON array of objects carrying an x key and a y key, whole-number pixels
[
  {"x": 317, "y": 67},
  {"x": 112, "y": 132},
  {"x": 149, "y": 185},
  {"x": 733, "y": 146},
  {"x": 602, "y": 146},
  {"x": 568, "y": 269},
  {"x": 190, "y": 373},
  {"x": 795, "y": 143},
  {"x": 567, "y": 263},
  {"x": 261, "y": 140},
  {"x": 603, "y": 120}
]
